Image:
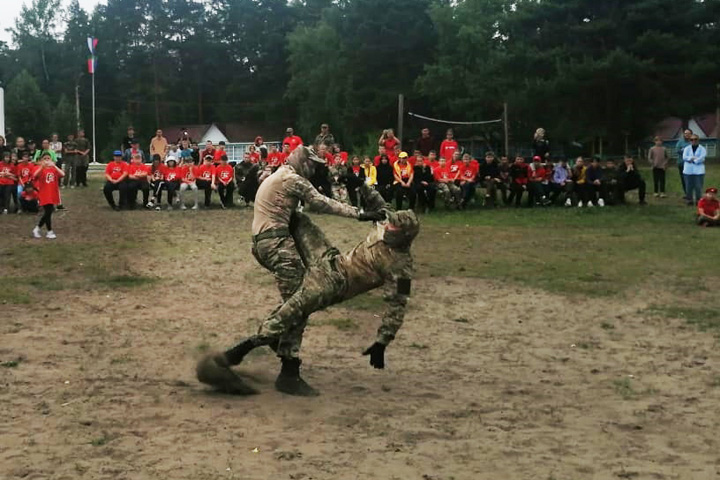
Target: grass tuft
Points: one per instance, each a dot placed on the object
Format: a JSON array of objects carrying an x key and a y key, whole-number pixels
[
  {"x": 624, "y": 388},
  {"x": 126, "y": 281}
]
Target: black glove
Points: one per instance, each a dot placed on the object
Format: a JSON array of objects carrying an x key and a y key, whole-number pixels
[
  {"x": 371, "y": 216},
  {"x": 377, "y": 355}
]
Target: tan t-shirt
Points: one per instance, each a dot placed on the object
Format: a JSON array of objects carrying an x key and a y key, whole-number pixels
[{"x": 157, "y": 146}]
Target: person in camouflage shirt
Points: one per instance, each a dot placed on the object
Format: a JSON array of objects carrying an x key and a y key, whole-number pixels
[{"x": 382, "y": 260}]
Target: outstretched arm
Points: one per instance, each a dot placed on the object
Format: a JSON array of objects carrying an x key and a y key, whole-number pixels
[{"x": 302, "y": 189}]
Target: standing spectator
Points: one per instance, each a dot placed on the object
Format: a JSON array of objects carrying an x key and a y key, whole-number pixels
[
  {"x": 47, "y": 178},
  {"x": 680, "y": 147},
  {"x": 449, "y": 147},
  {"x": 709, "y": 209},
  {"x": 658, "y": 158},
  {"x": 468, "y": 179},
  {"x": 32, "y": 149},
  {"x": 172, "y": 176},
  {"x": 541, "y": 146},
  {"x": 69, "y": 164},
  {"x": 21, "y": 147},
  {"x": 8, "y": 177},
  {"x": 204, "y": 179},
  {"x": 404, "y": 176},
  {"x": 561, "y": 183},
  {"x": 629, "y": 179},
  {"x": 116, "y": 173},
  {"x": 195, "y": 153},
  {"x": 184, "y": 135},
  {"x": 45, "y": 148},
  {"x": 325, "y": 137},
  {"x": 82, "y": 159},
  {"x": 519, "y": 176},
  {"x": 320, "y": 179},
  {"x": 489, "y": 175},
  {"x": 157, "y": 181},
  {"x": 134, "y": 150},
  {"x": 208, "y": 150},
  {"x": 3, "y": 146},
  {"x": 694, "y": 171},
  {"x": 219, "y": 153},
  {"x": 425, "y": 184},
  {"x": 138, "y": 179},
  {"x": 381, "y": 151},
  {"x": 595, "y": 184},
  {"x": 370, "y": 172},
  {"x": 389, "y": 141},
  {"x": 158, "y": 145},
  {"x": 57, "y": 147},
  {"x": 385, "y": 178},
  {"x": 246, "y": 178},
  {"x": 291, "y": 139},
  {"x": 188, "y": 182},
  {"x": 425, "y": 142},
  {"x": 445, "y": 184},
  {"x": 127, "y": 140},
  {"x": 224, "y": 182},
  {"x": 261, "y": 148}
]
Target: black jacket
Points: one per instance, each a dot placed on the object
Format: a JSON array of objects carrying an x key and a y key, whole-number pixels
[
  {"x": 385, "y": 174},
  {"x": 491, "y": 170}
]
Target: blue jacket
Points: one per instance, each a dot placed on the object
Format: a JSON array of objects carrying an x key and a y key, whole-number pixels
[
  {"x": 694, "y": 161},
  {"x": 560, "y": 174}
]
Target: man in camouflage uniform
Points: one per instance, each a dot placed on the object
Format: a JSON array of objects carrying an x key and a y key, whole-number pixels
[
  {"x": 278, "y": 244},
  {"x": 69, "y": 161},
  {"x": 82, "y": 158},
  {"x": 383, "y": 259}
]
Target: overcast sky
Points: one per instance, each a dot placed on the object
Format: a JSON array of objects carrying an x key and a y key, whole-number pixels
[{"x": 11, "y": 9}]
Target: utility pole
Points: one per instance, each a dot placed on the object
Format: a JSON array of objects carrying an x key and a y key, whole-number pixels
[
  {"x": 401, "y": 116},
  {"x": 717, "y": 122},
  {"x": 506, "y": 128}
]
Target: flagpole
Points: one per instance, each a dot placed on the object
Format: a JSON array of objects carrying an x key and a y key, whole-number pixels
[{"x": 94, "y": 139}]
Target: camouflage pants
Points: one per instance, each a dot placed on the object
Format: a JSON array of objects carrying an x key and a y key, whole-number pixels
[
  {"x": 288, "y": 259},
  {"x": 450, "y": 192}
]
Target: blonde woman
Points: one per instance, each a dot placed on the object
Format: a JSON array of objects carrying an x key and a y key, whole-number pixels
[{"x": 541, "y": 146}]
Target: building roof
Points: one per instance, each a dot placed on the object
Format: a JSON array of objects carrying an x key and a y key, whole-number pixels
[
  {"x": 669, "y": 128},
  {"x": 196, "y": 132},
  {"x": 708, "y": 124},
  {"x": 234, "y": 132}
]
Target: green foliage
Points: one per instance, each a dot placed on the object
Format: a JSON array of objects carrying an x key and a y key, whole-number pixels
[
  {"x": 26, "y": 107},
  {"x": 63, "y": 117}
]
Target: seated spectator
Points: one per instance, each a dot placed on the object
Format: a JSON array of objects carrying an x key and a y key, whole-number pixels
[
  {"x": 116, "y": 173},
  {"x": 157, "y": 181},
  {"x": 204, "y": 178},
  {"x": 224, "y": 182},
  {"x": 433, "y": 159},
  {"x": 195, "y": 153},
  {"x": 188, "y": 173},
  {"x": 355, "y": 178},
  {"x": 537, "y": 184},
  {"x": 595, "y": 185},
  {"x": 489, "y": 177},
  {"x": 468, "y": 179},
  {"x": 208, "y": 150},
  {"x": 172, "y": 175},
  {"x": 385, "y": 178},
  {"x": 417, "y": 159},
  {"x": 394, "y": 154},
  {"x": 561, "y": 183},
  {"x": 404, "y": 177},
  {"x": 445, "y": 184},
  {"x": 504, "y": 185},
  {"x": 455, "y": 164},
  {"x": 246, "y": 177},
  {"x": 425, "y": 184},
  {"x": 321, "y": 178},
  {"x": 579, "y": 180},
  {"x": 610, "y": 179},
  {"x": 24, "y": 171},
  {"x": 138, "y": 180},
  {"x": 629, "y": 178},
  {"x": 370, "y": 172},
  {"x": 709, "y": 209},
  {"x": 134, "y": 150},
  {"x": 336, "y": 150},
  {"x": 273, "y": 157},
  {"x": 381, "y": 152},
  {"x": 8, "y": 178},
  {"x": 29, "y": 199},
  {"x": 253, "y": 154},
  {"x": 519, "y": 176}
]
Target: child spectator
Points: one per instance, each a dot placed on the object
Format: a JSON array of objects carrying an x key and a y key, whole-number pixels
[
  {"x": 594, "y": 183},
  {"x": 47, "y": 178},
  {"x": 157, "y": 181},
  {"x": 580, "y": 181},
  {"x": 204, "y": 178},
  {"x": 8, "y": 178},
  {"x": 658, "y": 158},
  {"x": 468, "y": 179},
  {"x": 29, "y": 199},
  {"x": 185, "y": 151},
  {"x": 370, "y": 172},
  {"x": 24, "y": 171},
  {"x": 629, "y": 179},
  {"x": 253, "y": 154},
  {"x": 385, "y": 178},
  {"x": 561, "y": 183},
  {"x": 519, "y": 175},
  {"x": 537, "y": 194},
  {"x": 116, "y": 173},
  {"x": 445, "y": 184},
  {"x": 224, "y": 182},
  {"x": 709, "y": 209},
  {"x": 172, "y": 175},
  {"x": 404, "y": 176},
  {"x": 336, "y": 150},
  {"x": 433, "y": 159},
  {"x": 138, "y": 180},
  {"x": 504, "y": 185},
  {"x": 449, "y": 146},
  {"x": 425, "y": 184},
  {"x": 188, "y": 173}
]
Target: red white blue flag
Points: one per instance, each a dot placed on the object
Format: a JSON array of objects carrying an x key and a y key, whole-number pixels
[{"x": 92, "y": 61}]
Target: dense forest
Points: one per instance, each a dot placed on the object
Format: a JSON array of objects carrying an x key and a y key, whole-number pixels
[{"x": 580, "y": 68}]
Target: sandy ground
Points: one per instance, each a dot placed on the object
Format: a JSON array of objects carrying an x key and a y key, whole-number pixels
[{"x": 485, "y": 381}]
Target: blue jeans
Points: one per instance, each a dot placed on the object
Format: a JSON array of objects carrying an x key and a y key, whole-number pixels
[{"x": 694, "y": 187}]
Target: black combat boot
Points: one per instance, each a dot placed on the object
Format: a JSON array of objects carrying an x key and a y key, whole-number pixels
[{"x": 289, "y": 380}]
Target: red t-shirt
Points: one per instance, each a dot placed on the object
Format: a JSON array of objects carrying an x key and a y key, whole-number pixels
[
  {"x": 294, "y": 142},
  {"x": 224, "y": 173},
  {"x": 255, "y": 157},
  {"x": 710, "y": 207},
  {"x": 158, "y": 174},
  {"x": 7, "y": 168},
  {"x": 116, "y": 169},
  {"x": 274, "y": 159},
  {"x": 138, "y": 169},
  {"x": 188, "y": 173},
  {"x": 48, "y": 185},
  {"x": 172, "y": 174},
  {"x": 442, "y": 174},
  {"x": 447, "y": 148},
  {"x": 205, "y": 172},
  {"x": 344, "y": 156},
  {"x": 207, "y": 152},
  {"x": 29, "y": 197},
  {"x": 356, "y": 170},
  {"x": 453, "y": 168},
  {"x": 538, "y": 174},
  {"x": 24, "y": 171},
  {"x": 219, "y": 153},
  {"x": 390, "y": 144},
  {"x": 469, "y": 172}
]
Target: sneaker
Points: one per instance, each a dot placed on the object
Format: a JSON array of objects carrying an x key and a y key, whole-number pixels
[
  {"x": 51, "y": 235},
  {"x": 656, "y": 195},
  {"x": 61, "y": 207},
  {"x": 149, "y": 205},
  {"x": 183, "y": 207},
  {"x": 195, "y": 207},
  {"x": 36, "y": 232},
  {"x": 590, "y": 205},
  {"x": 5, "y": 212},
  {"x": 568, "y": 203},
  {"x": 601, "y": 203},
  {"x": 580, "y": 204},
  {"x": 72, "y": 186},
  {"x": 157, "y": 209}
]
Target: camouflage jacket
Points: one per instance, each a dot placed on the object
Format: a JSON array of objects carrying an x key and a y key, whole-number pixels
[{"x": 281, "y": 193}]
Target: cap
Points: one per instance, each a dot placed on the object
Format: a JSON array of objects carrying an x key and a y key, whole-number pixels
[
  {"x": 171, "y": 158},
  {"x": 403, "y": 155},
  {"x": 134, "y": 141},
  {"x": 289, "y": 129},
  {"x": 208, "y": 157},
  {"x": 711, "y": 190},
  {"x": 222, "y": 142},
  {"x": 537, "y": 158},
  {"x": 117, "y": 153}
]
